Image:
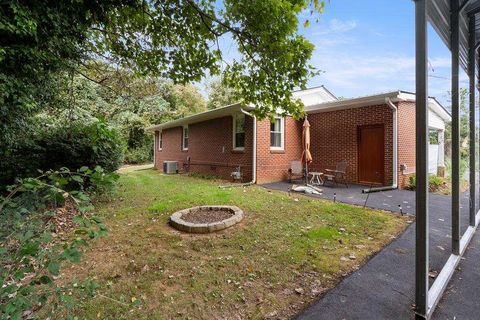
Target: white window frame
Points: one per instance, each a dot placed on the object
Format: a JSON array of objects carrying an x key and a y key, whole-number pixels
[
  {"x": 234, "y": 130},
  {"x": 185, "y": 136},
  {"x": 160, "y": 141},
  {"x": 282, "y": 134}
]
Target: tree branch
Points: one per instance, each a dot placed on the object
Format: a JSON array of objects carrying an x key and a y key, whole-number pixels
[{"x": 239, "y": 33}]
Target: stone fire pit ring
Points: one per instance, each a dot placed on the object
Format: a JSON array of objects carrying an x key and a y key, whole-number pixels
[{"x": 235, "y": 215}]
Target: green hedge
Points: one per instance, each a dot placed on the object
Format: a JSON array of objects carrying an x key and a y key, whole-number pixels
[{"x": 73, "y": 146}]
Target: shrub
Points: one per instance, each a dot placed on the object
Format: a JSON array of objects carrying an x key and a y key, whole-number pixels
[
  {"x": 34, "y": 212},
  {"x": 74, "y": 146},
  {"x": 142, "y": 154},
  {"x": 434, "y": 182}
]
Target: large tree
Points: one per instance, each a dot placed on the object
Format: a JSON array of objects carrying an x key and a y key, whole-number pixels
[
  {"x": 172, "y": 39},
  {"x": 128, "y": 102},
  {"x": 178, "y": 40},
  {"x": 221, "y": 95}
]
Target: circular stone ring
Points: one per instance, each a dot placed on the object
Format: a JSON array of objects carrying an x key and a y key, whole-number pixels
[{"x": 176, "y": 221}]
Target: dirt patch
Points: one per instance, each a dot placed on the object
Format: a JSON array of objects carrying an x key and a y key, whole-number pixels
[{"x": 207, "y": 216}]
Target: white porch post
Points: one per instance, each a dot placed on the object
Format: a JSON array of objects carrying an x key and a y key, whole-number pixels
[{"x": 441, "y": 153}]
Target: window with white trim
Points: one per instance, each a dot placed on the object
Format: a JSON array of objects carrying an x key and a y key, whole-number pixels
[
  {"x": 185, "y": 138},
  {"x": 239, "y": 132},
  {"x": 277, "y": 131},
  {"x": 160, "y": 140}
]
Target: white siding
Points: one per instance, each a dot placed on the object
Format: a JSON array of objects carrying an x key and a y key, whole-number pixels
[
  {"x": 434, "y": 121},
  {"x": 314, "y": 96}
]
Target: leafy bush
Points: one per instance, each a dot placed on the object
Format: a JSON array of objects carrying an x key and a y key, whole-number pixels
[
  {"x": 142, "y": 154},
  {"x": 434, "y": 182},
  {"x": 464, "y": 166},
  {"x": 79, "y": 144},
  {"x": 31, "y": 217}
]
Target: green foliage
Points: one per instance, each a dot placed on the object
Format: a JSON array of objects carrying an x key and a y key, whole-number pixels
[
  {"x": 433, "y": 136},
  {"x": 123, "y": 97},
  {"x": 32, "y": 252},
  {"x": 128, "y": 103},
  {"x": 464, "y": 165},
  {"x": 220, "y": 95},
  {"x": 140, "y": 155},
  {"x": 257, "y": 74},
  {"x": 80, "y": 144},
  {"x": 434, "y": 182},
  {"x": 464, "y": 127},
  {"x": 45, "y": 46},
  {"x": 38, "y": 39},
  {"x": 171, "y": 39}
]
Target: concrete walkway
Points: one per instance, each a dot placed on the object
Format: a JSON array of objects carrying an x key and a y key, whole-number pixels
[
  {"x": 384, "y": 287},
  {"x": 134, "y": 167}
]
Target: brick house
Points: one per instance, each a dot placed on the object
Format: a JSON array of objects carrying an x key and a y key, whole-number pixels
[{"x": 374, "y": 134}]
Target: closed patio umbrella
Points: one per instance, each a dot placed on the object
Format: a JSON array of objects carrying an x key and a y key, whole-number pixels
[{"x": 306, "y": 155}]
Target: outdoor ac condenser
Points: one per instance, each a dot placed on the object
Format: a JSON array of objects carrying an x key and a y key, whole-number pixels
[{"x": 170, "y": 166}]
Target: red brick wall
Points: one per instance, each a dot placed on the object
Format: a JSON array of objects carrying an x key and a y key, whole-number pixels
[
  {"x": 334, "y": 138},
  {"x": 406, "y": 141},
  {"x": 273, "y": 165},
  {"x": 210, "y": 148}
]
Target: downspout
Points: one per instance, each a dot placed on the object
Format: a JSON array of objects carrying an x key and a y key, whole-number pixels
[
  {"x": 254, "y": 147},
  {"x": 254, "y": 154},
  {"x": 395, "y": 151}
]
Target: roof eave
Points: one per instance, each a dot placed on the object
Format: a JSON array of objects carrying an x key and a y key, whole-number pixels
[
  {"x": 199, "y": 117},
  {"x": 353, "y": 103},
  {"x": 379, "y": 99}
]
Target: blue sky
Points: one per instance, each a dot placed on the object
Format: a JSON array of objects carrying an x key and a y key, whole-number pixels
[{"x": 368, "y": 46}]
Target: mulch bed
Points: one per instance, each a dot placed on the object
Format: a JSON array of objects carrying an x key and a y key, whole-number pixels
[{"x": 207, "y": 216}]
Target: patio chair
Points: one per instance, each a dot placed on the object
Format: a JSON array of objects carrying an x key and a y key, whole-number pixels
[
  {"x": 338, "y": 175},
  {"x": 296, "y": 170}
]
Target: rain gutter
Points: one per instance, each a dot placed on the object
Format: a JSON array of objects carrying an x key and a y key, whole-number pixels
[{"x": 394, "y": 185}]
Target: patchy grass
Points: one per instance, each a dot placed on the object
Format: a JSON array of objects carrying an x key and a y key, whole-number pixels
[
  {"x": 446, "y": 188},
  {"x": 277, "y": 260}
]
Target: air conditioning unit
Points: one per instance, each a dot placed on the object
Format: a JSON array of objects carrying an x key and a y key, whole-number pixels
[{"x": 170, "y": 166}]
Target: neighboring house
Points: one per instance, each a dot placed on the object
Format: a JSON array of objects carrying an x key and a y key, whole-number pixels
[{"x": 374, "y": 134}]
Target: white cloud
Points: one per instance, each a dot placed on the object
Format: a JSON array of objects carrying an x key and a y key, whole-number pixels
[
  {"x": 337, "y": 25},
  {"x": 351, "y": 73},
  {"x": 335, "y": 32}
]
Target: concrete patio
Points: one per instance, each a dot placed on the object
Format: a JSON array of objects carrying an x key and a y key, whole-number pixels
[{"x": 384, "y": 287}]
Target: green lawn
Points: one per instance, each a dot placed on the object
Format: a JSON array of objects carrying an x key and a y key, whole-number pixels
[{"x": 147, "y": 270}]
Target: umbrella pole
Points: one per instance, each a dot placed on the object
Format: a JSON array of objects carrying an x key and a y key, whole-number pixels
[{"x": 306, "y": 172}]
